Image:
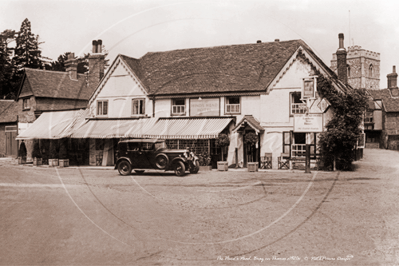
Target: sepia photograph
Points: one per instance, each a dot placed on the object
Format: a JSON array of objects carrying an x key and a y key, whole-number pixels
[{"x": 186, "y": 132}]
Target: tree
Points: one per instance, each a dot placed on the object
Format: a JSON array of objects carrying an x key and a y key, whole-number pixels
[
  {"x": 338, "y": 142},
  {"x": 27, "y": 52},
  {"x": 6, "y": 66},
  {"x": 223, "y": 141}
]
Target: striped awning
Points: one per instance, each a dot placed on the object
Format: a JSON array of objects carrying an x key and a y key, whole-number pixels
[
  {"x": 105, "y": 129},
  {"x": 54, "y": 125},
  {"x": 187, "y": 128}
]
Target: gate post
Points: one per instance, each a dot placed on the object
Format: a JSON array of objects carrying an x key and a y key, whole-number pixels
[{"x": 307, "y": 159}]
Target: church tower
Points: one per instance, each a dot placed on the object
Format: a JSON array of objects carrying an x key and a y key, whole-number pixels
[{"x": 363, "y": 68}]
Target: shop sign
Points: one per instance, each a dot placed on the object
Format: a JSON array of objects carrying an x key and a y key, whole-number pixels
[
  {"x": 308, "y": 123},
  {"x": 204, "y": 107}
]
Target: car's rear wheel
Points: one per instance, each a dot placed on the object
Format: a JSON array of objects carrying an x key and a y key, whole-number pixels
[
  {"x": 139, "y": 171},
  {"x": 124, "y": 167},
  {"x": 161, "y": 161},
  {"x": 195, "y": 168},
  {"x": 180, "y": 168}
]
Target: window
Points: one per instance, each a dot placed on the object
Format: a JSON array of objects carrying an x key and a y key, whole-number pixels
[
  {"x": 287, "y": 142},
  {"x": 297, "y": 106},
  {"x": 25, "y": 103},
  {"x": 233, "y": 105},
  {"x": 138, "y": 107},
  {"x": 377, "y": 104},
  {"x": 368, "y": 117},
  {"x": 370, "y": 70},
  {"x": 102, "y": 107},
  {"x": 178, "y": 107},
  {"x": 349, "y": 70}
]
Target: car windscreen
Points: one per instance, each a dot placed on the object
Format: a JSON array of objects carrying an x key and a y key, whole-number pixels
[{"x": 160, "y": 145}]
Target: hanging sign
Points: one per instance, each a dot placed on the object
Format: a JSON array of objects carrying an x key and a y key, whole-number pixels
[{"x": 308, "y": 123}]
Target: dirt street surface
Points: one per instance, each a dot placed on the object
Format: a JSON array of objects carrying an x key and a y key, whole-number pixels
[{"x": 96, "y": 217}]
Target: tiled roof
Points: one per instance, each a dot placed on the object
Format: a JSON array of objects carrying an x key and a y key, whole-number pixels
[
  {"x": 8, "y": 111},
  {"x": 233, "y": 68},
  {"x": 55, "y": 84},
  {"x": 390, "y": 104}
]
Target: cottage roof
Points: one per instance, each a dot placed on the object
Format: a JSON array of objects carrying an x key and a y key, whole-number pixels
[
  {"x": 54, "y": 84},
  {"x": 232, "y": 68},
  {"x": 390, "y": 104},
  {"x": 8, "y": 111}
]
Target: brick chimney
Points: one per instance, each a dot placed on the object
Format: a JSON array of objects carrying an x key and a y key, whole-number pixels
[
  {"x": 96, "y": 64},
  {"x": 393, "y": 82},
  {"x": 341, "y": 60},
  {"x": 71, "y": 65}
]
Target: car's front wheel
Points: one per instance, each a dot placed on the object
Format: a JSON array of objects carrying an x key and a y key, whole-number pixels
[
  {"x": 180, "y": 168},
  {"x": 124, "y": 168}
]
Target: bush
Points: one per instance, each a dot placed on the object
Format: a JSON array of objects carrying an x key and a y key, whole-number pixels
[
  {"x": 222, "y": 141},
  {"x": 36, "y": 151}
]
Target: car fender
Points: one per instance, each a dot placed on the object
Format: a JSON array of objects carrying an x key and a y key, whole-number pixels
[
  {"x": 184, "y": 160},
  {"x": 121, "y": 159}
]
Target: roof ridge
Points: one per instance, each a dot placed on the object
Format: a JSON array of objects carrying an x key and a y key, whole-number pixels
[
  {"x": 220, "y": 46},
  {"x": 49, "y": 71}
]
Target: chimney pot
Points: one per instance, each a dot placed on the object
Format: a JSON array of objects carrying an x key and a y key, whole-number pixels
[
  {"x": 341, "y": 41},
  {"x": 394, "y": 69},
  {"x": 99, "y": 46},
  {"x": 258, "y": 41},
  {"x": 94, "y": 50},
  {"x": 277, "y": 40}
]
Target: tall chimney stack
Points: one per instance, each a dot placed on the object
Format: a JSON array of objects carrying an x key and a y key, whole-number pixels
[
  {"x": 392, "y": 78},
  {"x": 342, "y": 67},
  {"x": 341, "y": 60},
  {"x": 96, "y": 64},
  {"x": 71, "y": 65}
]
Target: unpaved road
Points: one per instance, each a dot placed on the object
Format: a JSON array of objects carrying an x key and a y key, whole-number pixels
[{"x": 96, "y": 217}]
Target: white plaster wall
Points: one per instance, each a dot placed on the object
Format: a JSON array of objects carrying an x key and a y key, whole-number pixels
[
  {"x": 293, "y": 77},
  {"x": 250, "y": 105},
  {"x": 163, "y": 107},
  {"x": 119, "y": 89}
]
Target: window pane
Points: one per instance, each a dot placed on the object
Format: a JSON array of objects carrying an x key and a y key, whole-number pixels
[
  {"x": 99, "y": 108},
  {"x": 135, "y": 107},
  {"x": 142, "y": 111},
  {"x": 105, "y": 108},
  {"x": 287, "y": 138},
  {"x": 179, "y": 102}
]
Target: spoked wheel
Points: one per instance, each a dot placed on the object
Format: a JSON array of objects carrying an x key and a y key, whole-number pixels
[
  {"x": 180, "y": 168},
  {"x": 124, "y": 168},
  {"x": 194, "y": 168}
]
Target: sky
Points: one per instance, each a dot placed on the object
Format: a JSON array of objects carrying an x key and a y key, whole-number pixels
[{"x": 135, "y": 27}]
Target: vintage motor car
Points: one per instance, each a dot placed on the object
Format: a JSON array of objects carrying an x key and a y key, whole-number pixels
[{"x": 142, "y": 154}]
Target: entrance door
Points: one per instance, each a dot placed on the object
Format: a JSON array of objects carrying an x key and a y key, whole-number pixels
[
  {"x": 250, "y": 147},
  {"x": 11, "y": 142}
]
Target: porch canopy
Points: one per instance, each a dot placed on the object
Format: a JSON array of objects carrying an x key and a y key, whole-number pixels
[
  {"x": 187, "y": 128},
  {"x": 54, "y": 125},
  {"x": 251, "y": 122},
  {"x": 114, "y": 128}
]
